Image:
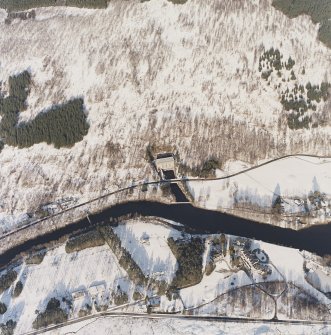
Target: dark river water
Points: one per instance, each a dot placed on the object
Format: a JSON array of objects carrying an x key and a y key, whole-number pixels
[{"x": 316, "y": 239}]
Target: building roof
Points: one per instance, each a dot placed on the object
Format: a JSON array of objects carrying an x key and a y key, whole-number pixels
[
  {"x": 78, "y": 294},
  {"x": 165, "y": 159},
  {"x": 96, "y": 289},
  {"x": 164, "y": 155}
]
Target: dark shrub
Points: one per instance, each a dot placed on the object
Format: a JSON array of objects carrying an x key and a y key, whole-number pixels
[
  {"x": 123, "y": 256},
  {"x": 61, "y": 125},
  {"x": 36, "y": 258},
  {"x": 8, "y": 327},
  {"x": 18, "y": 289},
  {"x": 189, "y": 258},
  {"x": 3, "y": 308},
  {"x": 120, "y": 297},
  {"x": 87, "y": 240},
  {"x": 7, "y": 279},
  {"x": 52, "y": 315},
  {"x": 137, "y": 296},
  {"x": 319, "y": 10}
]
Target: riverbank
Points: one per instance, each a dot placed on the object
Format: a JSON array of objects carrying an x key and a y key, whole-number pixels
[{"x": 314, "y": 239}]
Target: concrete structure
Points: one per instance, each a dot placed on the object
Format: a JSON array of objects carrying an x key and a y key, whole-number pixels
[
  {"x": 97, "y": 291},
  {"x": 165, "y": 163},
  {"x": 261, "y": 255},
  {"x": 67, "y": 202},
  {"x": 252, "y": 263},
  {"x": 78, "y": 294},
  {"x": 144, "y": 239},
  {"x": 51, "y": 208},
  {"x": 153, "y": 301},
  {"x": 298, "y": 202}
]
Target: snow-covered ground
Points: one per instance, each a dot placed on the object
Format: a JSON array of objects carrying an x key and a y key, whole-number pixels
[
  {"x": 153, "y": 73},
  {"x": 213, "y": 286},
  {"x": 290, "y": 263},
  {"x": 60, "y": 274},
  {"x": 292, "y": 178},
  {"x": 147, "y": 243},
  {"x": 124, "y": 326},
  {"x": 224, "y": 279},
  {"x": 320, "y": 280}
]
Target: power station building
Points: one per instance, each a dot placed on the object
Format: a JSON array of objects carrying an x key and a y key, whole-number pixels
[{"x": 165, "y": 162}]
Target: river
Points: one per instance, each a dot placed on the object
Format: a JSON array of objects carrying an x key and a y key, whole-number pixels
[{"x": 315, "y": 239}]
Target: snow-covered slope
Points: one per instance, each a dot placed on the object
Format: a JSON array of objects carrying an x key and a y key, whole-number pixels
[
  {"x": 157, "y": 73},
  {"x": 292, "y": 178}
]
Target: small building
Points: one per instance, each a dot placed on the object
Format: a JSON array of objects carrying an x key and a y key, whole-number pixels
[
  {"x": 165, "y": 162},
  {"x": 153, "y": 301},
  {"x": 252, "y": 263},
  {"x": 78, "y": 294},
  {"x": 298, "y": 202},
  {"x": 50, "y": 208},
  {"x": 144, "y": 239},
  {"x": 67, "y": 202},
  {"x": 217, "y": 257},
  {"x": 97, "y": 291}
]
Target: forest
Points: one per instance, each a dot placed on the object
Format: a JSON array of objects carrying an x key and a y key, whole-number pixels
[
  {"x": 61, "y": 125},
  {"x": 318, "y": 10},
  {"x": 19, "y": 5},
  {"x": 189, "y": 259},
  {"x": 300, "y": 98},
  {"x": 53, "y": 314}
]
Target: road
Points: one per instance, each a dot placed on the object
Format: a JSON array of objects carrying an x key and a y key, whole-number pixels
[
  {"x": 178, "y": 317},
  {"x": 151, "y": 183}
]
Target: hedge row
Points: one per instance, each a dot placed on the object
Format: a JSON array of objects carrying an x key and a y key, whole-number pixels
[
  {"x": 123, "y": 256},
  {"x": 87, "y": 240}
]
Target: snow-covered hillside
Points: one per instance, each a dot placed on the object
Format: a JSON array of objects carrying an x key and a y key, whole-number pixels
[
  {"x": 294, "y": 179},
  {"x": 154, "y": 73}
]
